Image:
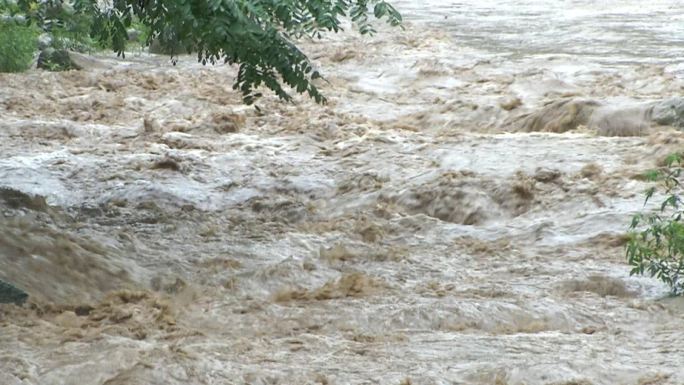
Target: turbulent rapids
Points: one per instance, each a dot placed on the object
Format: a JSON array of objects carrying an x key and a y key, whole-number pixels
[{"x": 455, "y": 215}]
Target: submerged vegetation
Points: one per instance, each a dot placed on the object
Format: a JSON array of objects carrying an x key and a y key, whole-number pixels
[{"x": 656, "y": 246}]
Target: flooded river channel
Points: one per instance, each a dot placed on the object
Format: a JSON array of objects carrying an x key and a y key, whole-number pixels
[{"x": 456, "y": 214}]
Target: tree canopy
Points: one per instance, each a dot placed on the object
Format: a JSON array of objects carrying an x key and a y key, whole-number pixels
[{"x": 258, "y": 35}]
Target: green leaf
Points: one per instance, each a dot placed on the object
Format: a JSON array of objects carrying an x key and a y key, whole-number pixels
[
  {"x": 652, "y": 175},
  {"x": 673, "y": 159}
]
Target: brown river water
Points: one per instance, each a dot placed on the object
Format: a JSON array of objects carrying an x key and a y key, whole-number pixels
[{"x": 455, "y": 215}]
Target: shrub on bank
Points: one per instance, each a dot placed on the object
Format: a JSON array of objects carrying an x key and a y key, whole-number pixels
[{"x": 18, "y": 44}]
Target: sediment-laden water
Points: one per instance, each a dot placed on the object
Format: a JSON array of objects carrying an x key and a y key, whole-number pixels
[{"x": 455, "y": 215}]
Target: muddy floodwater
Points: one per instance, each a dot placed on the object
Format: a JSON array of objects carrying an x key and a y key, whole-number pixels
[{"x": 456, "y": 214}]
